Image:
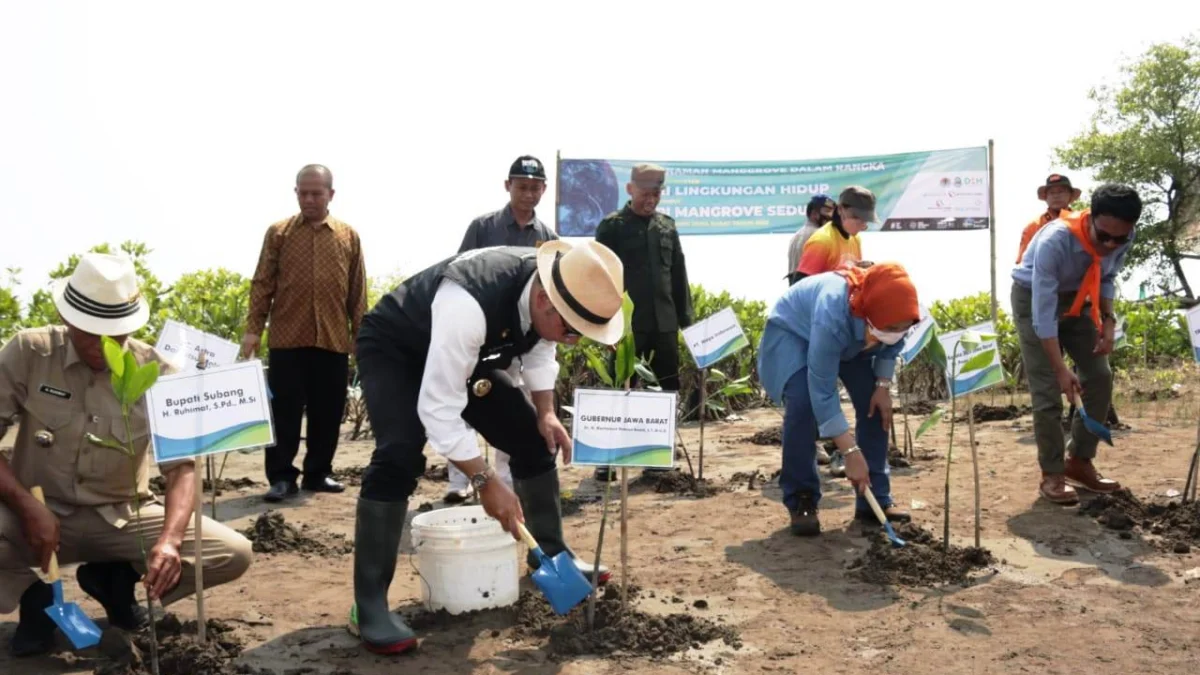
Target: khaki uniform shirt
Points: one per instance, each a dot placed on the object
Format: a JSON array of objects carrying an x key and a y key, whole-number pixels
[
  {"x": 311, "y": 283},
  {"x": 58, "y": 399}
]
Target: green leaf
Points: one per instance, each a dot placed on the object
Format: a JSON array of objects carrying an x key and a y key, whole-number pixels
[
  {"x": 643, "y": 371},
  {"x": 131, "y": 368},
  {"x": 936, "y": 353},
  {"x": 981, "y": 360},
  {"x": 112, "y": 356},
  {"x": 970, "y": 339},
  {"x": 714, "y": 374},
  {"x": 929, "y": 422},
  {"x": 143, "y": 379},
  {"x": 627, "y": 312},
  {"x": 599, "y": 366}
]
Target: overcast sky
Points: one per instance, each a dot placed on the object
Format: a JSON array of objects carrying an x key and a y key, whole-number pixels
[{"x": 182, "y": 125}]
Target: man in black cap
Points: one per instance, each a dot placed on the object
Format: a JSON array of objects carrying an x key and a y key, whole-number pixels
[
  {"x": 494, "y": 315},
  {"x": 517, "y": 223},
  {"x": 819, "y": 212}
]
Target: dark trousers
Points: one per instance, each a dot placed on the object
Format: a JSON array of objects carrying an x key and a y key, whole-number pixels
[
  {"x": 391, "y": 383},
  {"x": 800, "y": 431},
  {"x": 662, "y": 350},
  {"x": 305, "y": 382}
]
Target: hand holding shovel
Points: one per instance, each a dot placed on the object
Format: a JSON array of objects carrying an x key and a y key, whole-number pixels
[
  {"x": 70, "y": 619},
  {"x": 897, "y": 542}
]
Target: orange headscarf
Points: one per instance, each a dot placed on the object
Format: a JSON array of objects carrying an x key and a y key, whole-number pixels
[
  {"x": 1078, "y": 223},
  {"x": 882, "y": 294}
]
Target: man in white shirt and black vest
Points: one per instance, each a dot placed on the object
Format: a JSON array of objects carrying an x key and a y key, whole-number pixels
[{"x": 494, "y": 315}]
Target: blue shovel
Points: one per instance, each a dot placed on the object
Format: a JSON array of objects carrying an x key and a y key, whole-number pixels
[
  {"x": 897, "y": 542},
  {"x": 70, "y": 619},
  {"x": 559, "y": 579},
  {"x": 1092, "y": 425}
]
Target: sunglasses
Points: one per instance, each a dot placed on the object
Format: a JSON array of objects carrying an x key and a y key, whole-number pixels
[{"x": 1105, "y": 238}]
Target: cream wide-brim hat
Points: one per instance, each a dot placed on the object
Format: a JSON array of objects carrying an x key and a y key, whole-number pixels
[
  {"x": 101, "y": 297},
  {"x": 586, "y": 284}
]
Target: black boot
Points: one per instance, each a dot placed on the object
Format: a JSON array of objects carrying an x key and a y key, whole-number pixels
[
  {"x": 35, "y": 629},
  {"x": 112, "y": 584},
  {"x": 543, "y": 516},
  {"x": 377, "y": 531}
]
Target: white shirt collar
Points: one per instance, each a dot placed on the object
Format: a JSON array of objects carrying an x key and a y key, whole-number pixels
[{"x": 523, "y": 305}]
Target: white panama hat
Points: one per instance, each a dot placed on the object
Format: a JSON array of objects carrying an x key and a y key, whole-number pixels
[{"x": 102, "y": 297}]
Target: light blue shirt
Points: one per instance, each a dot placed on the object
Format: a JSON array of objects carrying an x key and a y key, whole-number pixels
[
  {"x": 811, "y": 327},
  {"x": 1055, "y": 263}
]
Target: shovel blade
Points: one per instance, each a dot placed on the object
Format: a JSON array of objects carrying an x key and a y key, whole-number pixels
[
  {"x": 70, "y": 619},
  {"x": 1099, "y": 430},
  {"x": 561, "y": 581},
  {"x": 897, "y": 542}
]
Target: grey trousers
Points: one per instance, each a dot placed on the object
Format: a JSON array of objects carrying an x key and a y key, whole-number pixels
[{"x": 1078, "y": 337}]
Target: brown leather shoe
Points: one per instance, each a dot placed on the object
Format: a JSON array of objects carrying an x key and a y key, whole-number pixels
[
  {"x": 1081, "y": 473},
  {"x": 1055, "y": 489}
]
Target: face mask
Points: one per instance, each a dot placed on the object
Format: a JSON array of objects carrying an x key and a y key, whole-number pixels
[{"x": 887, "y": 338}]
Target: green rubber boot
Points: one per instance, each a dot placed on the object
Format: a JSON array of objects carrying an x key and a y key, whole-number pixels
[{"x": 377, "y": 531}]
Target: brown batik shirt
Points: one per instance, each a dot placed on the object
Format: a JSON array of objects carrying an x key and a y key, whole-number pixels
[{"x": 311, "y": 284}]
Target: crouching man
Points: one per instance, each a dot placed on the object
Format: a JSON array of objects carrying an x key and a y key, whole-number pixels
[
  {"x": 441, "y": 358},
  {"x": 56, "y": 380}
]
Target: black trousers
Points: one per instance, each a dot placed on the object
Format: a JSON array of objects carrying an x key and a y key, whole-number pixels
[
  {"x": 663, "y": 351},
  {"x": 391, "y": 383},
  {"x": 305, "y": 382}
]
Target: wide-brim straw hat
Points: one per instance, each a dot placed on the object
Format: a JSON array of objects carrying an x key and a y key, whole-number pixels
[
  {"x": 102, "y": 297},
  {"x": 586, "y": 284}
]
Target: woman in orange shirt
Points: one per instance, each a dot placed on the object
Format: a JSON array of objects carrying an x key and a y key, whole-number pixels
[{"x": 836, "y": 244}]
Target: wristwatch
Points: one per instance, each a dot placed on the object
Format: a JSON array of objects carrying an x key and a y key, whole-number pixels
[
  {"x": 1107, "y": 316},
  {"x": 480, "y": 480},
  {"x": 883, "y": 384}
]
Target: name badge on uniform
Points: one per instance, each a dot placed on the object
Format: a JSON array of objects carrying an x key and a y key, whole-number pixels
[{"x": 55, "y": 392}]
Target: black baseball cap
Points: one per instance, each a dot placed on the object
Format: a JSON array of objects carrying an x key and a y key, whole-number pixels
[{"x": 527, "y": 166}]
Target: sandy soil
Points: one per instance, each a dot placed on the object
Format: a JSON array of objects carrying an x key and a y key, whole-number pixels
[{"x": 1066, "y": 595}]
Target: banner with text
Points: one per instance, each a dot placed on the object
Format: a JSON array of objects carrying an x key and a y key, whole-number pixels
[
  {"x": 712, "y": 339},
  {"x": 972, "y": 367},
  {"x": 182, "y": 345},
  {"x": 935, "y": 190},
  {"x": 623, "y": 428},
  {"x": 1193, "y": 324},
  {"x": 209, "y": 411}
]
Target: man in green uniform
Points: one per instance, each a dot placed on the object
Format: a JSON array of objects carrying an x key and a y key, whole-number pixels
[{"x": 655, "y": 275}]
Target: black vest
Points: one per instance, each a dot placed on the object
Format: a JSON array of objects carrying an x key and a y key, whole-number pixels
[{"x": 495, "y": 277}]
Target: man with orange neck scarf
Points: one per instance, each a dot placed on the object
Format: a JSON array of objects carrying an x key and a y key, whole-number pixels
[
  {"x": 1062, "y": 299},
  {"x": 848, "y": 324}
]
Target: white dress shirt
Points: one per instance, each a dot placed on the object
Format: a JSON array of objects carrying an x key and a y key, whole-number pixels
[{"x": 458, "y": 332}]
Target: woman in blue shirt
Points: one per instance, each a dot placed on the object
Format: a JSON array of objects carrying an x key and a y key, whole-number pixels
[{"x": 848, "y": 324}]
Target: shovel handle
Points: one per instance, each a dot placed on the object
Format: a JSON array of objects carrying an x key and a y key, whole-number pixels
[
  {"x": 875, "y": 507},
  {"x": 36, "y": 491},
  {"x": 529, "y": 540}
]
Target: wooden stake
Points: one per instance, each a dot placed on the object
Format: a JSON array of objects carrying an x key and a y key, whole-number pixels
[
  {"x": 199, "y": 563},
  {"x": 703, "y": 406},
  {"x": 624, "y": 537},
  {"x": 974, "y": 459},
  {"x": 198, "y": 508}
]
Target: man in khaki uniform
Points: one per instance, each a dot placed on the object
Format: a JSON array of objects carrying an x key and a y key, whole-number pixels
[{"x": 56, "y": 381}]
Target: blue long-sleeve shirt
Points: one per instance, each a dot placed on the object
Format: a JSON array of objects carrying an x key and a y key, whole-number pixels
[
  {"x": 811, "y": 327},
  {"x": 1055, "y": 263}
]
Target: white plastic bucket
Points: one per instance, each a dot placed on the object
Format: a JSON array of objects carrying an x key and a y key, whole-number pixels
[{"x": 467, "y": 561}]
